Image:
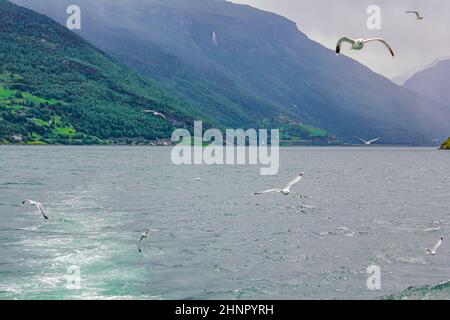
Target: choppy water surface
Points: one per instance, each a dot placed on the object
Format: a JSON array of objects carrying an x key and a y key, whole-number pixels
[{"x": 212, "y": 239}]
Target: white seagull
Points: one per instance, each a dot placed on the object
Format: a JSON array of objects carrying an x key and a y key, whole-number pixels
[
  {"x": 358, "y": 44},
  {"x": 286, "y": 190},
  {"x": 214, "y": 38},
  {"x": 432, "y": 251},
  {"x": 37, "y": 205},
  {"x": 155, "y": 113},
  {"x": 142, "y": 237},
  {"x": 419, "y": 17},
  {"x": 368, "y": 143}
]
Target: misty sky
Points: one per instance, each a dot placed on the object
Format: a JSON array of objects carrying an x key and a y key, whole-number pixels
[{"x": 326, "y": 21}]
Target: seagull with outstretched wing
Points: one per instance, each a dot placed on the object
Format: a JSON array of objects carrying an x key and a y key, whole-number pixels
[
  {"x": 418, "y": 15},
  {"x": 38, "y": 205},
  {"x": 433, "y": 250},
  {"x": 142, "y": 237},
  {"x": 286, "y": 190},
  {"x": 155, "y": 113},
  {"x": 370, "y": 141},
  {"x": 358, "y": 44}
]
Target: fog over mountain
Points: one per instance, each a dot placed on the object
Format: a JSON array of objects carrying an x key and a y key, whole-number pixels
[
  {"x": 433, "y": 82},
  {"x": 326, "y": 20}
]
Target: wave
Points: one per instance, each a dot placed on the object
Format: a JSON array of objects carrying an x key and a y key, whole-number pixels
[
  {"x": 440, "y": 291},
  {"x": 22, "y": 184}
]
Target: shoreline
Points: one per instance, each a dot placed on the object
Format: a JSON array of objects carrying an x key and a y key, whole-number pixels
[{"x": 379, "y": 146}]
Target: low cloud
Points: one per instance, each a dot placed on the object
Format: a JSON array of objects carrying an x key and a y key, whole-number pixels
[{"x": 416, "y": 43}]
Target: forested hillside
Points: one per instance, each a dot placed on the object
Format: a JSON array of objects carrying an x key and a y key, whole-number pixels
[{"x": 56, "y": 87}]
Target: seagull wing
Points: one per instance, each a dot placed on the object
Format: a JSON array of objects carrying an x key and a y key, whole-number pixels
[
  {"x": 155, "y": 113},
  {"x": 436, "y": 246},
  {"x": 139, "y": 243},
  {"x": 37, "y": 205},
  {"x": 364, "y": 141},
  {"x": 374, "y": 140},
  {"x": 142, "y": 237},
  {"x": 341, "y": 41},
  {"x": 268, "y": 191},
  {"x": 415, "y": 12},
  {"x": 382, "y": 41},
  {"x": 290, "y": 184},
  {"x": 42, "y": 210}
]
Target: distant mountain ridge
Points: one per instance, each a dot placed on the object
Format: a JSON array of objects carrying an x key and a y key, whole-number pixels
[
  {"x": 401, "y": 80},
  {"x": 246, "y": 67},
  {"x": 433, "y": 82}
]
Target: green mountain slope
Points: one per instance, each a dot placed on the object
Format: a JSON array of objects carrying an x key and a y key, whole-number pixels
[{"x": 56, "y": 87}]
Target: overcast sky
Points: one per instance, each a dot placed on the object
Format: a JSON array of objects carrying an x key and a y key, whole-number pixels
[{"x": 416, "y": 43}]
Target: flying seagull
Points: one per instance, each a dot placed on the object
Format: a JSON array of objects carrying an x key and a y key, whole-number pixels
[
  {"x": 358, "y": 44},
  {"x": 370, "y": 141},
  {"x": 142, "y": 237},
  {"x": 37, "y": 205},
  {"x": 432, "y": 251},
  {"x": 286, "y": 190},
  {"x": 419, "y": 17},
  {"x": 214, "y": 38},
  {"x": 155, "y": 113}
]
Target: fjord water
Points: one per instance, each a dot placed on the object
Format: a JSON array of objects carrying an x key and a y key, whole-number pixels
[{"x": 212, "y": 238}]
